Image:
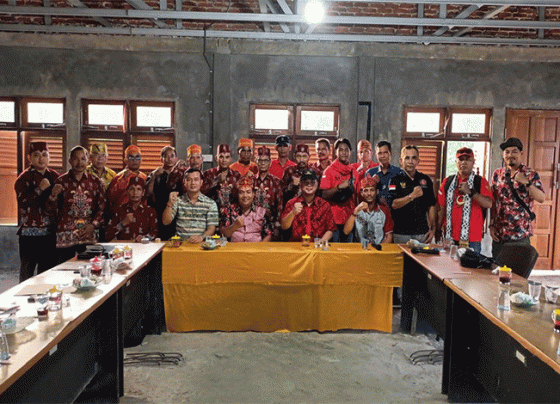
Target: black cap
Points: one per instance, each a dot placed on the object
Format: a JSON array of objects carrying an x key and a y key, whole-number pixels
[
  {"x": 512, "y": 142},
  {"x": 282, "y": 140},
  {"x": 309, "y": 175}
]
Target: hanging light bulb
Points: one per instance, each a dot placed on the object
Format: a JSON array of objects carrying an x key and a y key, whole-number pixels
[{"x": 314, "y": 11}]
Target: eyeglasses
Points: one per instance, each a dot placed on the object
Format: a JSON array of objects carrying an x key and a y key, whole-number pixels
[{"x": 135, "y": 158}]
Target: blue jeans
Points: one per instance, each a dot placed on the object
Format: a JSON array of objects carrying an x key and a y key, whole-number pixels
[
  {"x": 476, "y": 246},
  {"x": 340, "y": 237}
]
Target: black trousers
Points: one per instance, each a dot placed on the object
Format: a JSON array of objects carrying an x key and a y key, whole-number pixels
[{"x": 36, "y": 252}]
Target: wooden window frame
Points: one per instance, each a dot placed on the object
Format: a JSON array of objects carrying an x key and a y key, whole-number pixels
[
  {"x": 25, "y": 124},
  {"x": 425, "y": 135},
  {"x": 126, "y": 134},
  {"x": 86, "y": 126},
  {"x": 27, "y": 135},
  {"x": 264, "y": 134},
  {"x": 4, "y": 125},
  {"x": 268, "y": 138},
  {"x": 471, "y": 136},
  {"x": 317, "y": 134},
  {"x": 133, "y": 105},
  {"x": 445, "y": 121}
]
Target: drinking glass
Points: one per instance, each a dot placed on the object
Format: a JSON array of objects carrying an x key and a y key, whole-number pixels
[
  {"x": 453, "y": 252},
  {"x": 534, "y": 289}
]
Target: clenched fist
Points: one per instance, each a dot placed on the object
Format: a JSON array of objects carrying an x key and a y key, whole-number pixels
[
  {"x": 173, "y": 197},
  {"x": 129, "y": 218},
  {"x": 44, "y": 184},
  {"x": 298, "y": 207},
  {"x": 57, "y": 189}
]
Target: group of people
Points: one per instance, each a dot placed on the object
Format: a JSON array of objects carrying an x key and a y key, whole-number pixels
[{"x": 267, "y": 200}]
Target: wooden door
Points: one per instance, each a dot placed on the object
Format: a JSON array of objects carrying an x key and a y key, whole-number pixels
[
  {"x": 8, "y": 176},
  {"x": 539, "y": 132}
]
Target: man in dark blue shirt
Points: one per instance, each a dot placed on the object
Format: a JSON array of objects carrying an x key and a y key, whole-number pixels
[{"x": 385, "y": 171}]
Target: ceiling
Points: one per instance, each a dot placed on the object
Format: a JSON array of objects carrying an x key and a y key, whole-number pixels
[{"x": 490, "y": 22}]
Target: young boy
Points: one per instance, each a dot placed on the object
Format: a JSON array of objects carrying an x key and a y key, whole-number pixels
[
  {"x": 36, "y": 233},
  {"x": 373, "y": 221}
]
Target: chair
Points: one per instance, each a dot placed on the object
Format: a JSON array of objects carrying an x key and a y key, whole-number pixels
[{"x": 520, "y": 258}]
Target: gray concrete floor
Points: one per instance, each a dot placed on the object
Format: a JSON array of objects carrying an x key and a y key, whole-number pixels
[{"x": 249, "y": 367}]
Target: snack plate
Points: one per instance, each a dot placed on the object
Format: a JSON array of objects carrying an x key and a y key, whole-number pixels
[
  {"x": 22, "y": 323},
  {"x": 88, "y": 287},
  {"x": 524, "y": 301},
  {"x": 206, "y": 246}
]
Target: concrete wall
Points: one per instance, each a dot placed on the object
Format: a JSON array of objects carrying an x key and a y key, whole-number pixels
[{"x": 212, "y": 100}]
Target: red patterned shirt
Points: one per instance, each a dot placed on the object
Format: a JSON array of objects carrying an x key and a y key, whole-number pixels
[
  {"x": 80, "y": 200},
  {"x": 32, "y": 218},
  {"x": 289, "y": 190},
  {"x": 314, "y": 220},
  {"x": 219, "y": 191},
  {"x": 244, "y": 169},
  {"x": 175, "y": 178},
  {"x": 362, "y": 174},
  {"x": 277, "y": 169},
  {"x": 511, "y": 220},
  {"x": 268, "y": 194},
  {"x": 116, "y": 191},
  {"x": 145, "y": 223}
]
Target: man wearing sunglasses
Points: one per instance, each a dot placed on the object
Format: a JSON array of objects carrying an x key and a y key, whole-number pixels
[{"x": 116, "y": 191}]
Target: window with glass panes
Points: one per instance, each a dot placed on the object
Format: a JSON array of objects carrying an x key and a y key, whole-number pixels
[
  {"x": 24, "y": 120},
  {"x": 301, "y": 123},
  {"x": 120, "y": 123},
  {"x": 440, "y": 131}
]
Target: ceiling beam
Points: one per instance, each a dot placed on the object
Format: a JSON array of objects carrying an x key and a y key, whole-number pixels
[
  {"x": 100, "y": 20},
  {"x": 534, "y": 3},
  {"x": 271, "y": 7},
  {"x": 140, "y": 5},
  {"x": 486, "y": 16},
  {"x": 48, "y": 19},
  {"x": 262, "y": 7},
  {"x": 253, "y": 17},
  {"x": 424, "y": 40},
  {"x": 465, "y": 13}
]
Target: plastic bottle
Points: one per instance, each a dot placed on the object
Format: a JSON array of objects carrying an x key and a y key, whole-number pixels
[
  {"x": 4, "y": 349},
  {"x": 503, "y": 296}
]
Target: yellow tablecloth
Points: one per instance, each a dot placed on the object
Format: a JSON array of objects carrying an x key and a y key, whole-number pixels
[{"x": 280, "y": 286}]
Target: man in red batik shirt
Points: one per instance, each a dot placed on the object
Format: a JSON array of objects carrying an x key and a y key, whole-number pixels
[
  {"x": 308, "y": 214},
  {"x": 116, "y": 191},
  {"x": 218, "y": 182},
  {"x": 133, "y": 221},
  {"x": 338, "y": 185},
  {"x": 290, "y": 180},
  {"x": 245, "y": 166},
  {"x": 268, "y": 192},
  {"x": 79, "y": 201},
  {"x": 36, "y": 231}
]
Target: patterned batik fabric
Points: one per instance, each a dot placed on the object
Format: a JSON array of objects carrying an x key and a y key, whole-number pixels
[
  {"x": 244, "y": 169},
  {"x": 511, "y": 220},
  {"x": 257, "y": 223},
  {"x": 145, "y": 223},
  {"x": 116, "y": 191},
  {"x": 314, "y": 220},
  {"x": 268, "y": 194},
  {"x": 192, "y": 219},
  {"x": 32, "y": 216},
  {"x": 106, "y": 176},
  {"x": 218, "y": 190},
  {"x": 277, "y": 170},
  {"x": 81, "y": 202}
]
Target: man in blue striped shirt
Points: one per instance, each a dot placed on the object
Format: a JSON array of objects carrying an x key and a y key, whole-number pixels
[{"x": 197, "y": 215}]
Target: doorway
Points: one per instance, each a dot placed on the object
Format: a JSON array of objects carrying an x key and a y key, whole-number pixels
[{"x": 539, "y": 132}]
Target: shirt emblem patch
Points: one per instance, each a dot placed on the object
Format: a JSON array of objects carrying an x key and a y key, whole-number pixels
[{"x": 403, "y": 185}]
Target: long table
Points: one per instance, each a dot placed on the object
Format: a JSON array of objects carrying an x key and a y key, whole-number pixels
[
  {"x": 280, "y": 286},
  {"x": 489, "y": 355},
  {"x": 55, "y": 360}
]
